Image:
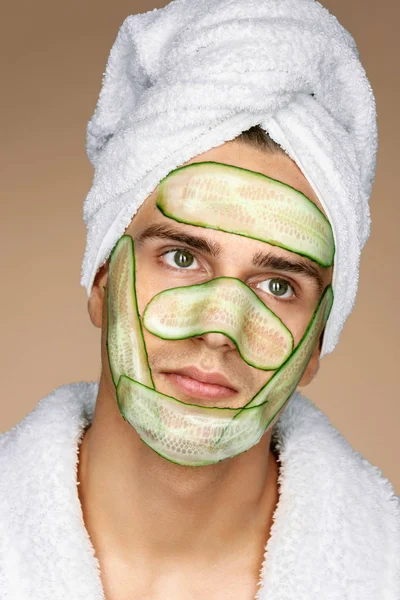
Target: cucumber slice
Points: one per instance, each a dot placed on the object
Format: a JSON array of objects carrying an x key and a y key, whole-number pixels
[
  {"x": 282, "y": 382},
  {"x": 183, "y": 433},
  {"x": 235, "y": 200},
  {"x": 194, "y": 435},
  {"x": 273, "y": 396},
  {"x": 125, "y": 344},
  {"x": 224, "y": 305}
]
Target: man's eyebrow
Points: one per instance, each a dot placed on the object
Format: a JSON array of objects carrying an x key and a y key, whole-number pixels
[
  {"x": 263, "y": 260},
  {"x": 278, "y": 263},
  {"x": 193, "y": 241}
]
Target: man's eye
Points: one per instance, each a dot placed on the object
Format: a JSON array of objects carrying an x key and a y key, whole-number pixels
[
  {"x": 179, "y": 258},
  {"x": 277, "y": 287}
]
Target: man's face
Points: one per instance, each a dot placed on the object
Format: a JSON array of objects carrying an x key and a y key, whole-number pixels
[{"x": 170, "y": 254}]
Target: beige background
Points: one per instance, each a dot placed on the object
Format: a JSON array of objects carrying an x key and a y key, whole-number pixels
[{"x": 53, "y": 57}]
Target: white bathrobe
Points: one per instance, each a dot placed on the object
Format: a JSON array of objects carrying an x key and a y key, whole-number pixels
[{"x": 335, "y": 536}]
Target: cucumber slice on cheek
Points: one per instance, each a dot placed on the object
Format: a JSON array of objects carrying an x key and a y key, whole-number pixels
[
  {"x": 185, "y": 433},
  {"x": 125, "y": 344},
  {"x": 264, "y": 409}
]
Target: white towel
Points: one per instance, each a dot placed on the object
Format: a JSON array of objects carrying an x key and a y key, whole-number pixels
[
  {"x": 188, "y": 77},
  {"x": 336, "y": 530}
]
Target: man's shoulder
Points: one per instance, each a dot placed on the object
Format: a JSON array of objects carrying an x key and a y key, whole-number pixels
[
  {"x": 316, "y": 454},
  {"x": 43, "y": 543},
  {"x": 45, "y": 434},
  {"x": 305, "y": 431},
  {"x": 63, "y": 404},
  {"x": 333, "y": 503}
]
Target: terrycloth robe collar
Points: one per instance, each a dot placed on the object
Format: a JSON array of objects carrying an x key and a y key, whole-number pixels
[{"x": 335, "y": 535}]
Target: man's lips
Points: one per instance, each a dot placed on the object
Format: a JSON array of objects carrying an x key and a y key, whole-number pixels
[{"x": 201, "y": 384}]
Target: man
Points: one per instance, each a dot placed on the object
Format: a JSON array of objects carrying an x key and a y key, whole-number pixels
[
  {"x": 200, "y": 474},
  {"x": 199, "y": 520}
]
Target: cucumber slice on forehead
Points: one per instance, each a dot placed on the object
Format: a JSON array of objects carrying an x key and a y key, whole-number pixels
[
  {"x": 125, "y": 344},
  {"x": 224, "y": 305},
  {"x": 235, "y": 200}
]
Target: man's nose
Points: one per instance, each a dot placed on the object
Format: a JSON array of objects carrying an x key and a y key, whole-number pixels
[{"x": 216, "y": 340}]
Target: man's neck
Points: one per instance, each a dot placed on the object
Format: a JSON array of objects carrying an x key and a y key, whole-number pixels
[{"x": 137, "y": 504}]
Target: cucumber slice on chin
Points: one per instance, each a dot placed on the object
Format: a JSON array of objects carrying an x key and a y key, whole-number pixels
[{"x": 183, "y": 433}]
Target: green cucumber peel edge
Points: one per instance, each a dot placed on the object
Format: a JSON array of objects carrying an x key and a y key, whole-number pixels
[
  {"x": 257, "y": 301},
  {"x": 238, "y": 410},
  {"x": 122, "y": 240},
  {"x": 190, "y": 405},
  {"x": 314, "y": 207},
  {"x": 326, "y": 296}
]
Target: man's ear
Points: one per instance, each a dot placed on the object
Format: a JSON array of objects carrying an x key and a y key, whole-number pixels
[{"x": 97, "y": 295}]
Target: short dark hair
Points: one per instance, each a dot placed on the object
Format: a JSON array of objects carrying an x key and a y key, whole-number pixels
[{"x": 257, "y": 136}]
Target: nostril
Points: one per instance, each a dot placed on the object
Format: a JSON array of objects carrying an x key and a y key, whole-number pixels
[{"x": 216, "y": 339}]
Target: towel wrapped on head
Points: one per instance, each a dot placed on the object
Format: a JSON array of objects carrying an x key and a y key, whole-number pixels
[{"x": 188, "y": 77}]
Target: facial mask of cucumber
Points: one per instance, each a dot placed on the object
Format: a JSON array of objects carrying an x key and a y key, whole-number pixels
[{"x": 184, "y": 433}]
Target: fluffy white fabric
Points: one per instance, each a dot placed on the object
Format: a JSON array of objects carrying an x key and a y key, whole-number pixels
[
  {"x": 336, "y": 530},
  {"x": 188, "y": 77}
]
